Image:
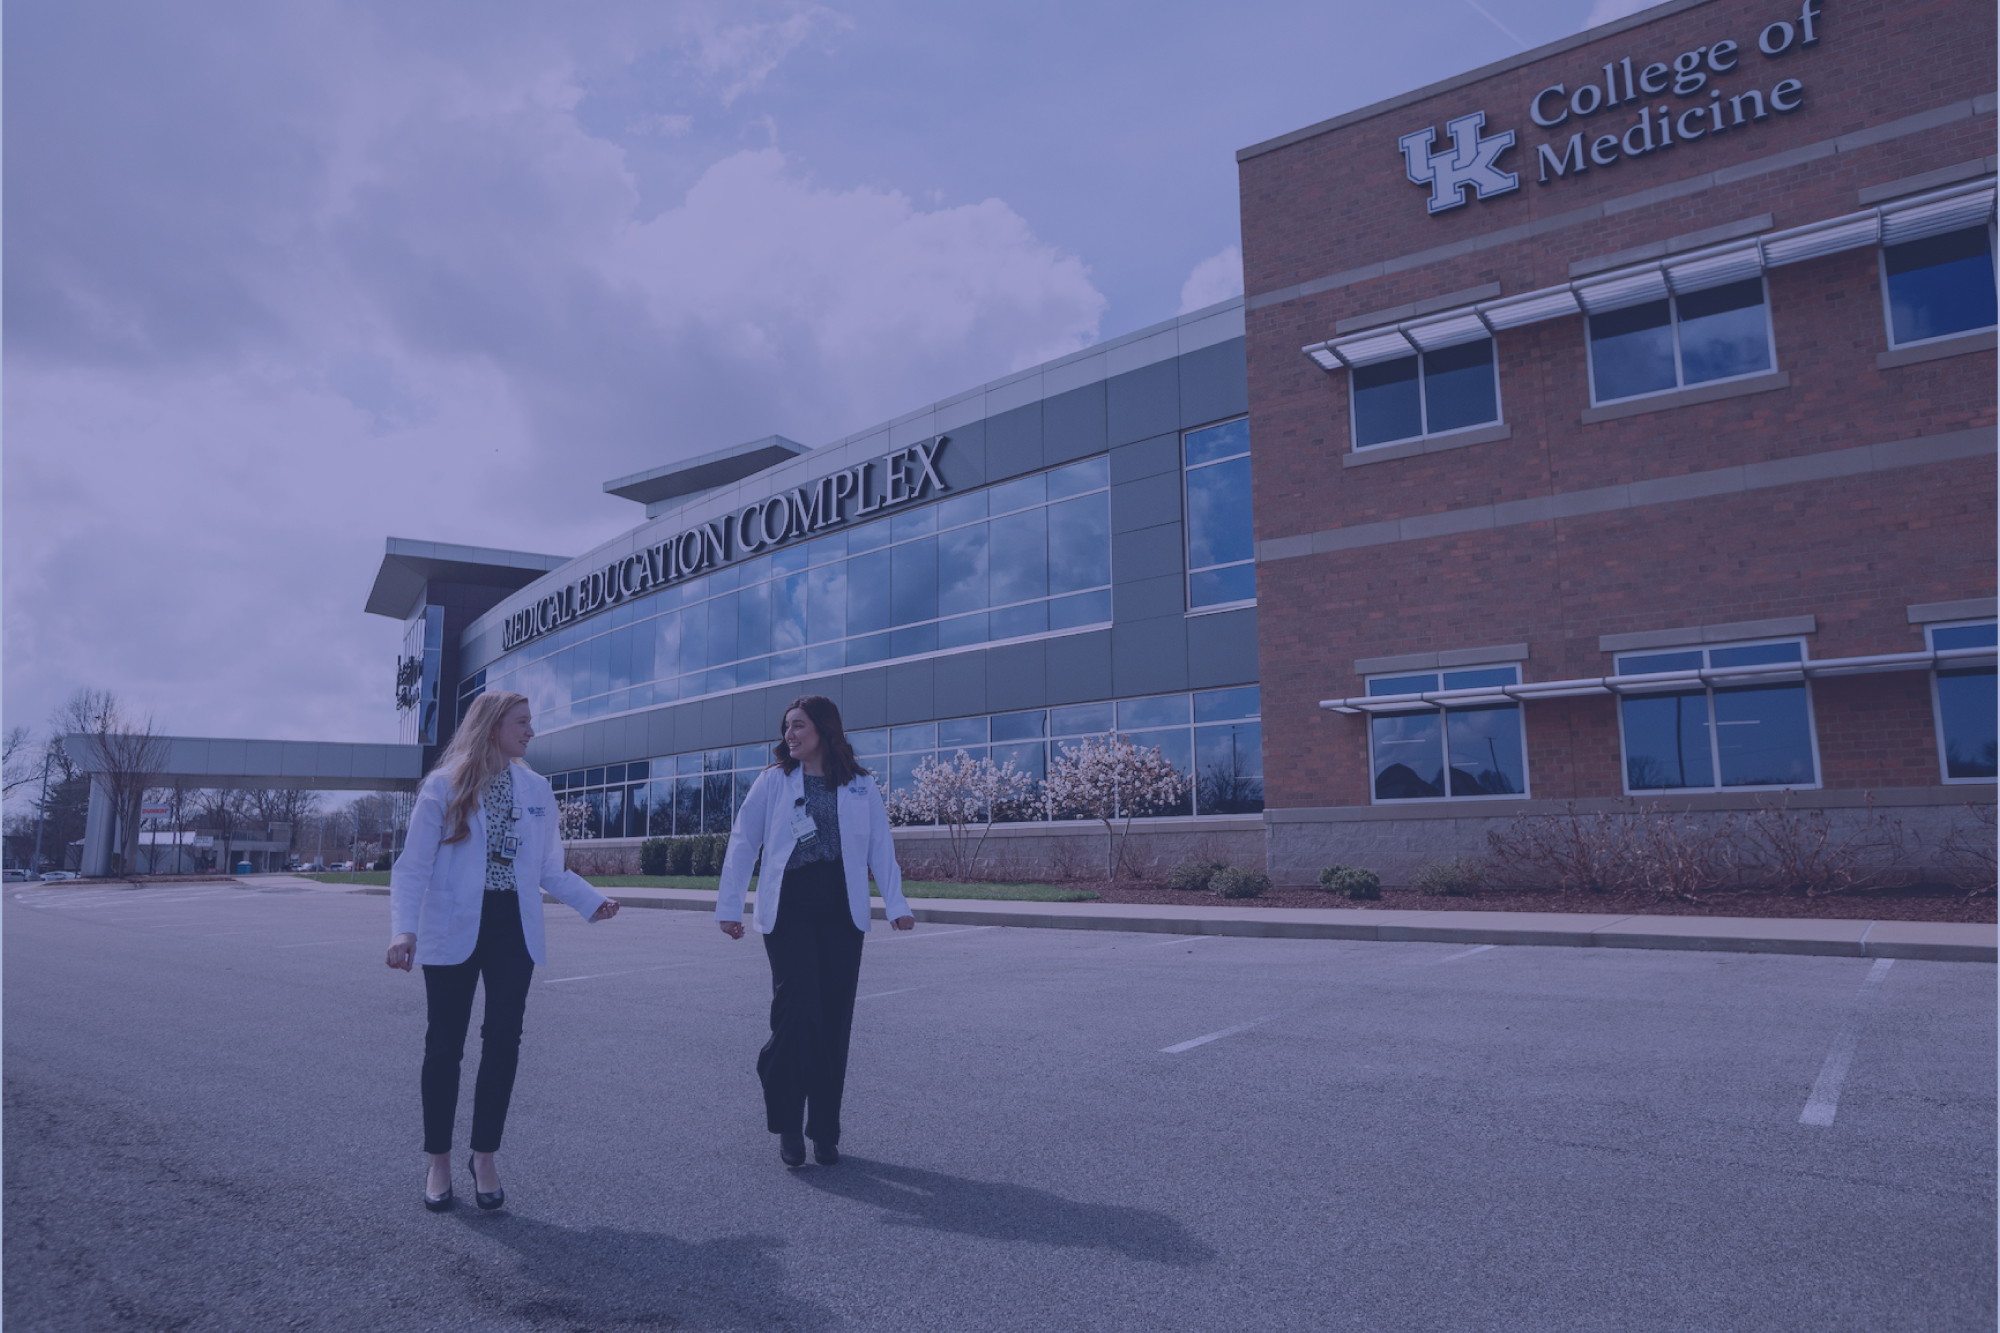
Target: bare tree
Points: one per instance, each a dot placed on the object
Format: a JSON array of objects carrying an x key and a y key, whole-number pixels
[
  {"x": 20, "y": 761},
  {"x": 126, "y": 756},
  {"x": 287, "y": 806},
  {"x": 221, "y": 811}
]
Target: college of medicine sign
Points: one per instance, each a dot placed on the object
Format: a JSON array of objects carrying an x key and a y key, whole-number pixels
[
  {"x": 899, "y": 477},
  {"x": 1707, "y": 109}
]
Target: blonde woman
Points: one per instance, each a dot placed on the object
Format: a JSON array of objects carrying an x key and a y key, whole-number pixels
[
  {"x": 465, "y": 901},
  {"x": 818, "y": 819}
]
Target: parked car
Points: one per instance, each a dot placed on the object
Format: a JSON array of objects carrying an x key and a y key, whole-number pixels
[
  {"x": 11, "y": 875},
  {"x": 51, "y": 876}
]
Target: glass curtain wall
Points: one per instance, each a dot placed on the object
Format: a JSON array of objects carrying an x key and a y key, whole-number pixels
[
  {"x": 1026, "y": 557},
  {"x": 1221, "y": 545},
  {"x": 1214, "y": 737}
]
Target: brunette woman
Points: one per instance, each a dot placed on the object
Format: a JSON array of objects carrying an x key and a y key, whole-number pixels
[
  {"x": 818, "y": 818},
  {"x": 465, "y": 900}
]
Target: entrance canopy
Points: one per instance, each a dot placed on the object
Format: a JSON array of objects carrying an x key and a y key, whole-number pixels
[{"x": 205, "y": 761}]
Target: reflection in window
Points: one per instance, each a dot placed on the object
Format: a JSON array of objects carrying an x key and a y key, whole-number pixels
[
  {"x": 1966, "y": 722},
  {"x": 1022, "y": 558},
  {"x": 1212, "y": 736},
  {"x": 1220, "y": 541},
  {"x": 1696, "y": 338},
  {"x": 1939, "y": 286},
  {"x": 1758, "y": 734},
  {"x": 1447, "y": 389},
  {"x": 1429, "y": 753}
]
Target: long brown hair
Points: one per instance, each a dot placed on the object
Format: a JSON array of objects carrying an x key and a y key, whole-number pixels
[
  {"x": 835, "y": 754},
  {"x": 474, "y": 758}
]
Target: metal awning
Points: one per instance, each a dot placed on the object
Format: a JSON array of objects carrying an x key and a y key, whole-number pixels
[
  {"x": 1665, "y": 682},
  {"x": 1909, "y": 219}
]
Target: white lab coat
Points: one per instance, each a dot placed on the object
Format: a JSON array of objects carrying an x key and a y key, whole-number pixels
[
  {"x": 437, "y": 889},
  {"x": 765, "y": 821}
]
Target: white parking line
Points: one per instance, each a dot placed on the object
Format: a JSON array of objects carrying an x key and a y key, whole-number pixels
[
  {"x": 1216, "y": 1036},
  {"x": 1825, "y": 1098},
  {"x": 628, "y": 972},
  {"x": 933, "y": 934},
  {"x": 1178, "y": 939},
  {"x": 1468, "y": 953},
  {"x": 307, "y": 944},
  {"x": 880, "y": 993}
]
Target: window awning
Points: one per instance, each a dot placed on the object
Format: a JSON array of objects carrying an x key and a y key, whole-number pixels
[
  {"x": 1666, "y": 682},
  {"x": 1886, "y": 224}
]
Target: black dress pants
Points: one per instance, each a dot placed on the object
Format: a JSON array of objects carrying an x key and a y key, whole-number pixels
[
  {"x": 501, "y": 956},
  {"x": 815, "y": 953}
]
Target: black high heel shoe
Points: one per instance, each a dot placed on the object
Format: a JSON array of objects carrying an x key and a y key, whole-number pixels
[
  {"x": 439, "y": 1203},
  {"x": 487, "y": 1201}
]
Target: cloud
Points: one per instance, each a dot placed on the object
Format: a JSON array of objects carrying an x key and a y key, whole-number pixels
[
  {"x": 1216, "y": 278},
  {"x": 1607, "y": 11},
  {"x": 664, "y": 126},
  {"x": 360, "y": 273}
]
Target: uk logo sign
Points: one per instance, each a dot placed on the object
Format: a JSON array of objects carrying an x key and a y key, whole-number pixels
[{"x": 1467, "y": 164}]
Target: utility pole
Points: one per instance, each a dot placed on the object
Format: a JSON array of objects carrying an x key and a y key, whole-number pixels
[{"x": 41, "y": 818}]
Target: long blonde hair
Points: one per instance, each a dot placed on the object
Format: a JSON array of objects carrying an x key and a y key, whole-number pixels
[{"x": 474, "y": 758}]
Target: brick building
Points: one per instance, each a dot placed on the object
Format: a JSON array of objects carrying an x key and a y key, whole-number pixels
[{"x": 1624, "y": 427}]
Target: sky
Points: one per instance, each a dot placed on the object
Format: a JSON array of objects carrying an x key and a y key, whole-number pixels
[{"x": 282, "y": 281}]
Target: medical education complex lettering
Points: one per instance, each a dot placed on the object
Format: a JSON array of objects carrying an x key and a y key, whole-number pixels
[
  {"x": 905, "y": 475},
  {"x": 1471, "y": 163}
]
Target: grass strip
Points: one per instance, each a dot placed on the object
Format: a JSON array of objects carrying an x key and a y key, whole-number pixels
[{"x": 912, "y": 888}]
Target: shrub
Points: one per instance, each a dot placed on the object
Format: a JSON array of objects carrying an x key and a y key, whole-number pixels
[
  {"x": 1352, "y": 881},
  {"x": 707, "y": 858},
  {"x": 382, "y": 862},
  {"x": 653, "y": 856},
  {"x": 1194, "y": 876},
  {"x": 1454, "y": 877},
  {"x": 680, "y": 856},
  {"x": 1236, "y": 882}
]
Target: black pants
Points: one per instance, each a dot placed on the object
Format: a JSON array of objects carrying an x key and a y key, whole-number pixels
[
  {"x": 501, "y": 956},
  {"x": 815, "y": 953}
]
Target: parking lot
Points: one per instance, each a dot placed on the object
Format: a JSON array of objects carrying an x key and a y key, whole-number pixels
[{"x": 211, "y": 1114}]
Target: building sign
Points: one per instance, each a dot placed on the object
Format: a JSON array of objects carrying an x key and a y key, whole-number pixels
[
  {"x": 897, "y": 478},
  {"x": 1611, "y": 115}
]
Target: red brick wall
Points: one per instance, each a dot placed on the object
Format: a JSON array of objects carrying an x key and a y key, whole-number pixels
[{"x": 1854, "y": 551}]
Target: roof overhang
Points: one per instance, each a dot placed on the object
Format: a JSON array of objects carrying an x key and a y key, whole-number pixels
[
  {"x": 704, "y": 473},
  {"x": 408, "y": 565},
  {"x": 1663, "y": 682}
]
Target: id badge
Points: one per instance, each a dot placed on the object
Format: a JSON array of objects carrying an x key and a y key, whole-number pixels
[
  {"x": 803, "y": 829},
  {"x": 509, "y": 847}
]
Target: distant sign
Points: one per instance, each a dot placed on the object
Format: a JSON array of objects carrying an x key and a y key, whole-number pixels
[
  {"x": 156, "y": 812},
  {"x": 204, "y": 841}
]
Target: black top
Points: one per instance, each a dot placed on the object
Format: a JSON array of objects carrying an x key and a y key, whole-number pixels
[{"x": 822, "y": 802}]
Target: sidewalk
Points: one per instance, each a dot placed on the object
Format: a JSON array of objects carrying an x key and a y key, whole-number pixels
[{"x": 1925, "y": 940}]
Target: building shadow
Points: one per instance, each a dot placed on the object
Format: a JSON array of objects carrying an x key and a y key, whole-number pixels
[
  {"x": 994, "y": 1210},
  {"x": 606, "y": 1277}
]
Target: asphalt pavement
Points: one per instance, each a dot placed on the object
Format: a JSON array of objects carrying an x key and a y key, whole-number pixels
[{"x": 211, "y": 1123}]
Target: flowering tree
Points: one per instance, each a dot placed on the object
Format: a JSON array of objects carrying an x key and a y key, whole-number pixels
[
  {"x": 1108, "y": 778},
  {"x": 962, "y": 797},
  {"x": 575, "y": 819}
]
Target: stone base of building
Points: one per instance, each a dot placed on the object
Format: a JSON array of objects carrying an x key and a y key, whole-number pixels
[{"x": 1935, "y": 825}]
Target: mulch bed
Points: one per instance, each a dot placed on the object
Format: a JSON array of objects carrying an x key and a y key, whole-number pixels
[{"x": 1924, "y": 903}]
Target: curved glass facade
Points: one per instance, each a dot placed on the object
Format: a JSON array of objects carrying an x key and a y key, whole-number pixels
[
  {"x": 1213, "y": 736},
  {"x": 1022, "y": 558}
]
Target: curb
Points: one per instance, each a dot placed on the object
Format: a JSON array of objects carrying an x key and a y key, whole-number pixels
[{"x": 1927, "y": 941}]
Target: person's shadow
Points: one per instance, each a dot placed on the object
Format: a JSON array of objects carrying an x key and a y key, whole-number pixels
[
  {"x": 994, "y": 1210},
  {"x": 604, "y": 1277}
]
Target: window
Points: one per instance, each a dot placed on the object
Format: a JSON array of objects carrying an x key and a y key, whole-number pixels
[
  {"x": 1700, "y": 337},
  {"x": 1220, "y": 546},
  {"x": 1450, "y": 388},
  {"x": 1758, "y": 734},
  {"x": 1026, "y": 557},
  {"x": 1965, "y": 705},
  {"x": 1432, "y": 753},
  {"x": 1939, "y": 286}
]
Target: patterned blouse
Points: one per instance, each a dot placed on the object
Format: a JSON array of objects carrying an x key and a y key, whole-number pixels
[
  {"x": 499, "y": 797},
  {"x": 823, "y": 804}
]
